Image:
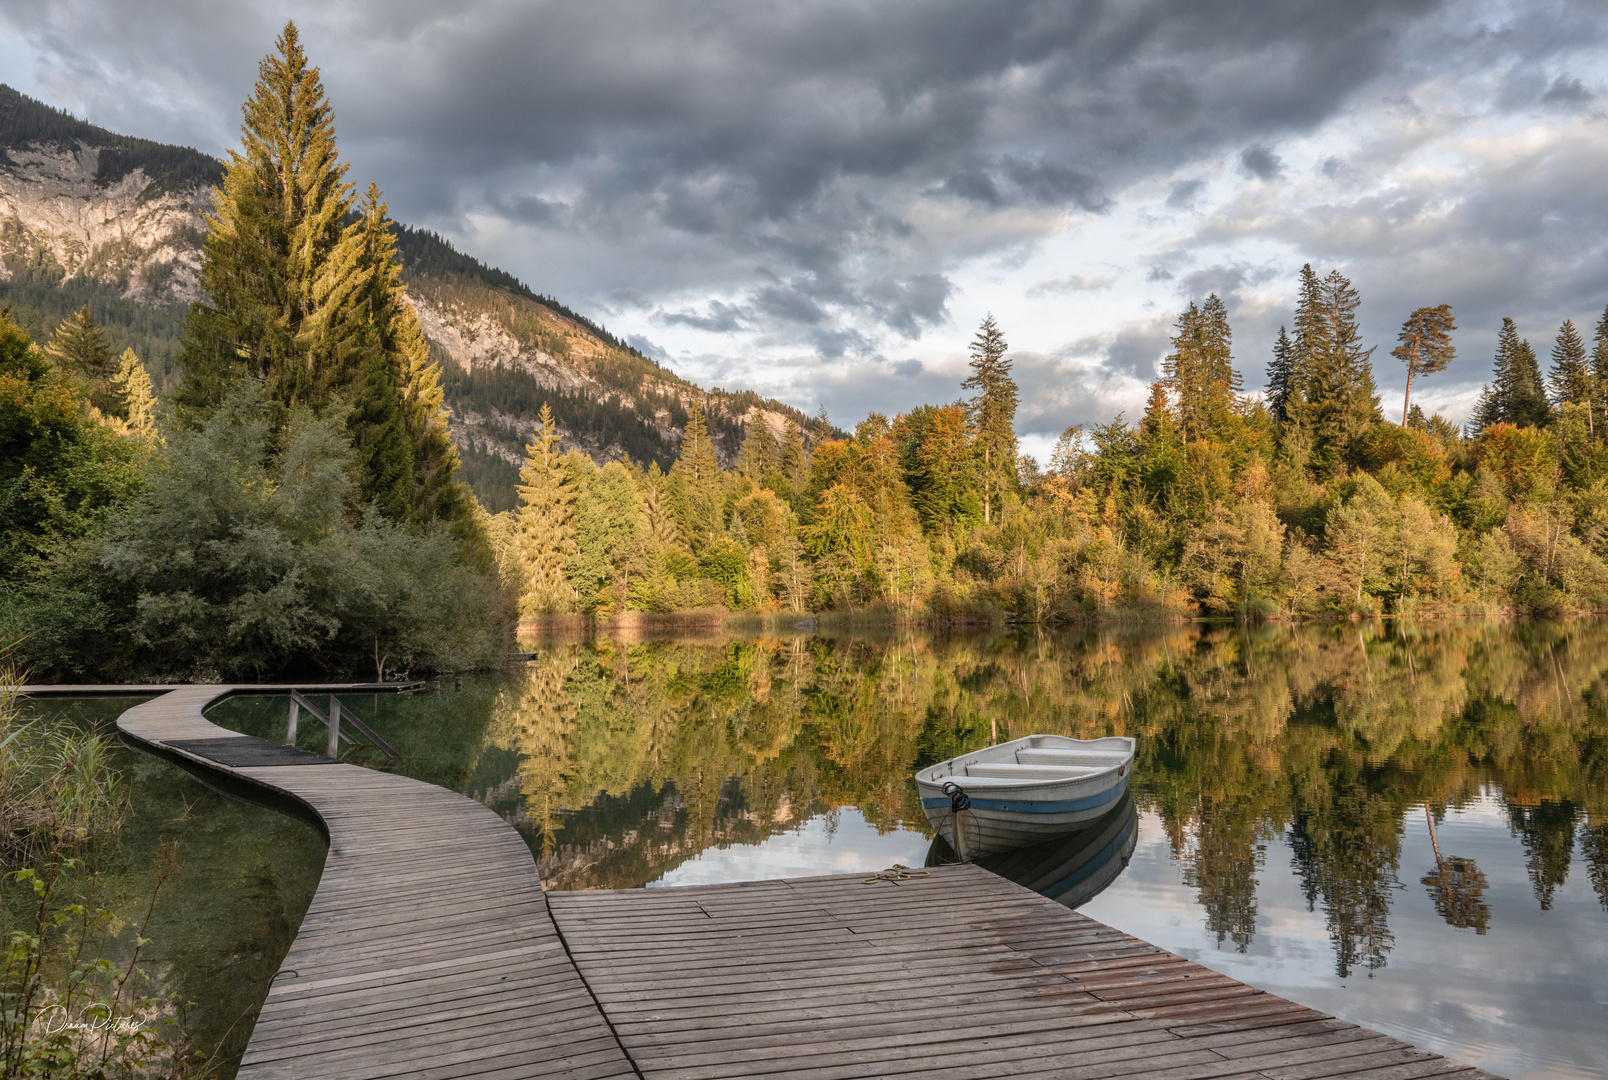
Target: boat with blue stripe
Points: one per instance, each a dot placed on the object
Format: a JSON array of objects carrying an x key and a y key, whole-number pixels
[{"x": 1025, "y": 791}]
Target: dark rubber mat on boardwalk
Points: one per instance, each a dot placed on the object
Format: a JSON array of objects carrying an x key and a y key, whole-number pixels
[{"x": 240, "y": 751}]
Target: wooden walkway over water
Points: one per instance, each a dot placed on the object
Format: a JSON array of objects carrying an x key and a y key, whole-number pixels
[{"x": 431, "y": 951}]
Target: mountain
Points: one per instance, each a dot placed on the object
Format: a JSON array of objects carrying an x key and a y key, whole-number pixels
[{"x": 88, "y": 216}]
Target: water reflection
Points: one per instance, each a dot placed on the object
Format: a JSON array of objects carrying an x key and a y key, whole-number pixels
[
  {"x": 1071, "y": 869},
  {"x": 220, "y": 928},
  {"x": 1285, "y": 778}
]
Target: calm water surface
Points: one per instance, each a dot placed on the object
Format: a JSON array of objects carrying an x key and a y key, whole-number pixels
[{"x": 1280, "y": 829}]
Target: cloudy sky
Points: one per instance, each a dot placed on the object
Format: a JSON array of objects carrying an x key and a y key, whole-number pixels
[{"x": 821, "y": 200}]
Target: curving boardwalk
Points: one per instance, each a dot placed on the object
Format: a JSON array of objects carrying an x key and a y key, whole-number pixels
[
  {"x": 431, "y": 951},
  {"x": 428, "y": 951}
]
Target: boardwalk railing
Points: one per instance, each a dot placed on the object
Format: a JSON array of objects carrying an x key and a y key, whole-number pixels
[{"x": 332, "y": 721}]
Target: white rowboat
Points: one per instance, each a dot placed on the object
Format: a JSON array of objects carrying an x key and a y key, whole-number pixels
[{"x": 1024, "y": 791}]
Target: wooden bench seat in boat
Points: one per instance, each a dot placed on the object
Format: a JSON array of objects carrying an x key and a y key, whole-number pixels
[
  {"x": 1098, "y": 758},
  {"x": 1004, "y": 770}
]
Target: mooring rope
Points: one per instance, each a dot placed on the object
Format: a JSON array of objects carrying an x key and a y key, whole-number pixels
[{"x": 896, "y": 872}]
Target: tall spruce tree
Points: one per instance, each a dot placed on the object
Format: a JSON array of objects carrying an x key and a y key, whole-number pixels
[
  {"x": 385, "y": 334},
  {"x": 303, "y": 290},
  {"x": 1570, "y": 378},
  {"x": 1200, "y": 371},
  {"x": 135, "y": 395},
  {"x": 1342, "y": 396},
  {"x": 1281, "y": 377},
  {"x": 1425, "y": 346},
  {"x": 1516, "y": 394},
  {"x": 1599, "y": 367},
  {"x": 544, "y": 535},
  {"x": 795, "y": 463},
  {"x": 695, "y": 484},
  {"x": 1312, "y": 334},
  {"x": 281, "y": 262},
  {"x": 759, "y": 451},
  {"x": 993, "y": 410},
  {"x": 79, "y": 346}
]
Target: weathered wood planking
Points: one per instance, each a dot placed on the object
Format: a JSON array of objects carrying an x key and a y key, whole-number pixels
[
  {"x": 958, "y": 975},
  {"x": 428, "y": 951}
]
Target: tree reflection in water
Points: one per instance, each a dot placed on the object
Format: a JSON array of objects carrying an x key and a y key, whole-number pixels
[
  {"x": 635, "y": 755},
  {"x": 1457, "y": 887}
]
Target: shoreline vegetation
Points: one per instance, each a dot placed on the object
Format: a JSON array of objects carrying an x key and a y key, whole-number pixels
[{"x": 293, "y": 508}]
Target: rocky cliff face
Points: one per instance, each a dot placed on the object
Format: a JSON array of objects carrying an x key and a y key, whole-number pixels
[{"x": 58, "y": 217}]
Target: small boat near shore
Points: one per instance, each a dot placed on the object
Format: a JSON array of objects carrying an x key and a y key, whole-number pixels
[
  {"x": 1071, "y": 869},
  {"x": 1025, "y": 791}
]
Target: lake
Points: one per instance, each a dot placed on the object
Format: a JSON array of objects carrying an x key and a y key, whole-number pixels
[{"x": 1404, "y": 825}]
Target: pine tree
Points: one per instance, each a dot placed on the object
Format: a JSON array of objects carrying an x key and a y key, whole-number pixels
[
  {"x": 1530, "y": 395},
  {"x": 545, "y": 528},
  {"x": 1516, "y": 396},
  {"x": 380, "y": 437},
  {"x": 1342, "y": 395},
  {"x": 1281, "y": 377},
  {"x": 993, "y": 410},
  {"x": 79, "y": 346},
  {"x": 383, "y": 324},
  {"x": 1486, "y": 412},
  {"x": 1425, "y": 346},
  {"x": 759, "y": 450},
  {"x": 1599, "y": 366},
  {"x": 135, "y": 394},
  {"x": 281, "y": 264},
  {"x": 1312, "y": 334},
  {"x": 1200, "y": 371},
  {"x": 795, "y": 463},
  {"x": 1571, "y": 372},
  {"x": 695, "y": 480}
]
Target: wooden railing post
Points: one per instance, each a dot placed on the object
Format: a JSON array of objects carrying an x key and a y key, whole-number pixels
[
  {"x": 290, "y": 728},
  {"x": 334, "y": 726}
]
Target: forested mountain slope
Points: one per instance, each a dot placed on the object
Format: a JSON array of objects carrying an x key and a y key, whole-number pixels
[{"x": 88, "y": 216}]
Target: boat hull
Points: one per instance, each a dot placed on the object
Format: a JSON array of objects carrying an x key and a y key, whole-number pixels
[
  {"x": 1025, "y": 791},
  {"x": 990, "y": 825}
]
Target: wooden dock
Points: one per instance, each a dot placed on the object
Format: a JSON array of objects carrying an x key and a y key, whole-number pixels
[
  {"x": 431, "y": 951},
  {"x": 427, "y": 952}
]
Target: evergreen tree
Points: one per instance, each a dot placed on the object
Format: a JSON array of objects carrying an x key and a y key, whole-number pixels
[
  {"x": 1516, "y": 395},
  {"x": 944, "y": 487},
  {"x": 135, "y": 395},
  {"x": 1281, "y": 377},
  {"x": 695, "y": 480},
  {"x": 1312, "y": 334},
  {"x": 1200, "y": 371},
  {"x": 384, "y": 333},
  {"x": 281, "y": 263},
  {"x": 1599, "y": 366},
  {"x": 993, "y": 410},
  {"x": 380, "y": 437},
  {"x": 759, "y": 450},
  {"x": 1341, "y": 391},
  {"x": 79, "y": 346},
  {"x": 545, "y": 528},
  {"x": 795, "y": 464},
  {"x": 1530, "y": 396},
  {"x": 1425, "y": 346},
  {"x": 1571, "y": 372},
  {"x": 1486, "y": 412}
]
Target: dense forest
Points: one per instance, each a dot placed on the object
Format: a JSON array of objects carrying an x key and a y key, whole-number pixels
[{"x": 1301, "y": 500}]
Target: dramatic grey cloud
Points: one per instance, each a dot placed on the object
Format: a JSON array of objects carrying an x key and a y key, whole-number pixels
[{"x": 822, "y": 200}]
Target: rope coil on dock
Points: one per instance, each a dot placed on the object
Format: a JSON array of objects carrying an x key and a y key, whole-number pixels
[{"x": 896, "y": 872}]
